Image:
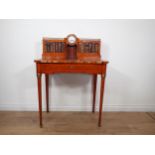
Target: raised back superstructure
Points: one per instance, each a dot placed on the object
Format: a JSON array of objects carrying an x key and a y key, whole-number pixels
[{"x": 71, "y": 48}]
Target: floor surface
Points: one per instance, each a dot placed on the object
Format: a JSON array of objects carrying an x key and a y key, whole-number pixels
[{"x": 75, "y": 123}]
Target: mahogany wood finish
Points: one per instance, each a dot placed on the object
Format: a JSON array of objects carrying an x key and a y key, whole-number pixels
[
  {"x": 101, "y": 98},
  {"x": 57, "y": 49},
  {"x": 54, "y": 60},
  {"x": 47, "y": 92},
  {"x": 40, "y": 97},
  {"x": 94, "y": 91}
]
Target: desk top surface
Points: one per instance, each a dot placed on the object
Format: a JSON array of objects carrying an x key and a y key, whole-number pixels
[{"x": 71, "y": 61}]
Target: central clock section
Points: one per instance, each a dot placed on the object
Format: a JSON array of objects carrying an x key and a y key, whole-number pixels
[
  {"x": 72, "y": 39},
  {"x": 72, "y": 42}
]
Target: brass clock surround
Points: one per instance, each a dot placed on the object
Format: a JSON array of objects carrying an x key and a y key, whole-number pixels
[{"x": 72, "y": 39}]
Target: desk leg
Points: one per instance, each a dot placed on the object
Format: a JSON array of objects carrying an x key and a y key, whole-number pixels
[
  {"x": 47, "y": 92},
  {"x": 40, "y": 97},
  {"x": 94, "y": 91},
  {"x": 101, "y": 99}
]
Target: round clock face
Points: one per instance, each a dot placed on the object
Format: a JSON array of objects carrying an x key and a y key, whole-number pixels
[{"x": 71, "y": 39}]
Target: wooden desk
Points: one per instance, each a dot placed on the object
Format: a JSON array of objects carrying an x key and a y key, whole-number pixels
[{"x": 70, "y": 66}]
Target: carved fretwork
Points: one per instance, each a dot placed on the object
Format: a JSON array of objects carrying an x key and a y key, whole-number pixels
[
  {"x": 54, "y": 46},
  {"x": 88, "y": 47}
]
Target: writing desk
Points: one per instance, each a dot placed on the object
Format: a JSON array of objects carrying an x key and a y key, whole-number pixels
[
  {"x": 49, "y": 68},
  {"x": 71, "y": 55}
]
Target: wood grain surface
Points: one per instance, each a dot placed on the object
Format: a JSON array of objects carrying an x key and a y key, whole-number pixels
[{"x": 77, "y": 123}]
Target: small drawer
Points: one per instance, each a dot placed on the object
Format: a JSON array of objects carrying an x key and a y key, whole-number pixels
[{"x": 72, "y": 68}]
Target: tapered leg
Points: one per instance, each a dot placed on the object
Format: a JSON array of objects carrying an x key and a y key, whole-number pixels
[
  {"x": 101, "y": 99},
  {"x": 94, "y": 91},
  {"x": 47, "y": 92},
  {"x": 40, "y": 98}
]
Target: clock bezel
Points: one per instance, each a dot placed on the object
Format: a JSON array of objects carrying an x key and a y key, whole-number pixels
[{"x": 74, "y": 43}]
